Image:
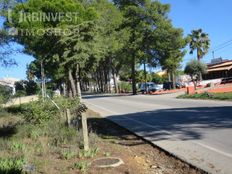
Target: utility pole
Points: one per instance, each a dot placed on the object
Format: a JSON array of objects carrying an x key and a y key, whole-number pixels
[{"x": 213, "y": 54}]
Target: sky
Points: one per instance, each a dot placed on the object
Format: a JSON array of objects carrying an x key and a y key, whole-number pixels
[{"x": 213, "y": 16}]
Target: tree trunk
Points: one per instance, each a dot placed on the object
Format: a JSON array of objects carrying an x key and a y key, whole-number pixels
[
  {"x": 101, "y": 82},
  {"x": 43, "y": 84},
  {"x": 70, "y": 94},
  {"x": 145, "y": 75},
  {"x": 173, "y": 80},
  {"x": 115, "y": 81},
  {"x": 194, "y": 82},
  {"x": 72, "y": 83},
  {"x": 199, "y": 59},
  {"x": 78, "y": 88},
  {"x": 169, "y": 77},
  {"x": 105, "y": 80},
  {"x": 64, "y": 89},
  {"x": 134, "y": 90}
]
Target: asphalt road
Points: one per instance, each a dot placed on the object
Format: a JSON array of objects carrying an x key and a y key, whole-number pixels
[{"x": 197, "y": 131}]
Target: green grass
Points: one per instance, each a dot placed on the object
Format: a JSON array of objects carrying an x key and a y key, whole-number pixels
[
  {"x": 82, "y": 166},
  {"x": 35, "y": 134},
  {"x": 212, "y": 96},
  {"x": 11, "y": 165}
]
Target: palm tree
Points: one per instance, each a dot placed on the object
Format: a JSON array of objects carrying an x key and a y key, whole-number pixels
[{"x": 199, "y": 41}]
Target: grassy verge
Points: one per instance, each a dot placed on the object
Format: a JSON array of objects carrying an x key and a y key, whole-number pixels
[
  {"x": 33, "y": 142},
  {"x": 212, "y": 96}
]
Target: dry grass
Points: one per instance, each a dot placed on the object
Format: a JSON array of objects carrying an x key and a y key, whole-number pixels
[{"x": 53, "y": 148}]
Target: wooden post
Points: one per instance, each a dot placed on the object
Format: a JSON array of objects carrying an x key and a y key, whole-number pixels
[
  {"x": 68, "y": 117},
  {"x": 85, "y": 131}
]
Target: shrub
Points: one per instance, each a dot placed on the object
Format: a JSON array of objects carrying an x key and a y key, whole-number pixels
[
  {"x": 67, "y": 103},
  {"x": 5, "y": 94},
  {"x": 125, "y": 87},
  {"x": 159, "y": 79},
  {"x": 39, "y": 112}
]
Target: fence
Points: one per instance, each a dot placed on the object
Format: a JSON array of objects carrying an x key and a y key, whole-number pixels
[{"x": 21, "y": 100}]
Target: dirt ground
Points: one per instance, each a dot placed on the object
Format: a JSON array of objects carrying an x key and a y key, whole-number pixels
[{"x": 139, "y": 156}]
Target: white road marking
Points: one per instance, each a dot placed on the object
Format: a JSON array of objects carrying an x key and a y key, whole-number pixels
[
  {"x": 214, "y": 149},
  {"x": 168, "y": 132}
]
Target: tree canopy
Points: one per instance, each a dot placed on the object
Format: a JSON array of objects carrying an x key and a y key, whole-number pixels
[
  {"x": 195, "y": 69},
  {"x": 84, "y": 44},
  {"x": 200, "y": 42}
]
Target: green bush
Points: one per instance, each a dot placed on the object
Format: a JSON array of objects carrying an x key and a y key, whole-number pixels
[
  {"x": 67, "y": 103},
  {"x": 39, "y": 112},
  {"x": 5, "y": 94},
  {"x": 20, "y": 93},
  {"x": 206, "y": 95},
  {"x": 125, "y": 87},
  {"x": 159, "y": 79}
]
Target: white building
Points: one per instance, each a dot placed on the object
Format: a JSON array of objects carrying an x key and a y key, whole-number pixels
[{"x": 10, "y": 82}]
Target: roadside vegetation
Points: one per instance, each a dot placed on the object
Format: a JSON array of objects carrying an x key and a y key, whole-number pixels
[
  {"x": 212, "y": 96},
  {"x": 35, "y": 138}
]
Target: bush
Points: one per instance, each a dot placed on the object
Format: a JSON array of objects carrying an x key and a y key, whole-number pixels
[
  {"x": 20, "y": 93},
  {"x": 5, "y": 94},
  {"x": 125, "y": 87},
  {"x": 159, "y": 79},
  {"x": 24, "y": 88},
  {"x": 39, "y": 112},
  {"x": 67, "y": 103}
]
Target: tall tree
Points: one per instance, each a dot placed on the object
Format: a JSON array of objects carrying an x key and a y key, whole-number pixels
[
  {"x": 33, "y": 33},
  {"x": 113, "y": 40},
  {"x": 141, "y": 19},
  {"x": 200, "y": 42},
  {"x": 170, "y": 48}
]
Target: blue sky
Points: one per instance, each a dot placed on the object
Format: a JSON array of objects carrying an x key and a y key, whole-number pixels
[{"x": 213, "y": 16}]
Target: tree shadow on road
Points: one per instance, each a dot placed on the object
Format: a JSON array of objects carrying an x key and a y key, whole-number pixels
[{"x": 179, "y": 123}]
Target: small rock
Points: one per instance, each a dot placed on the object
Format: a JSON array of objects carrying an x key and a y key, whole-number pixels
[
  {"x": 154, "y": 167},
  {"x": 29, "y": 168}
]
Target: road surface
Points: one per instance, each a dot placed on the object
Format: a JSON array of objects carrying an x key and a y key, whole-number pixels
[{"x": 197, "y": 131}]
